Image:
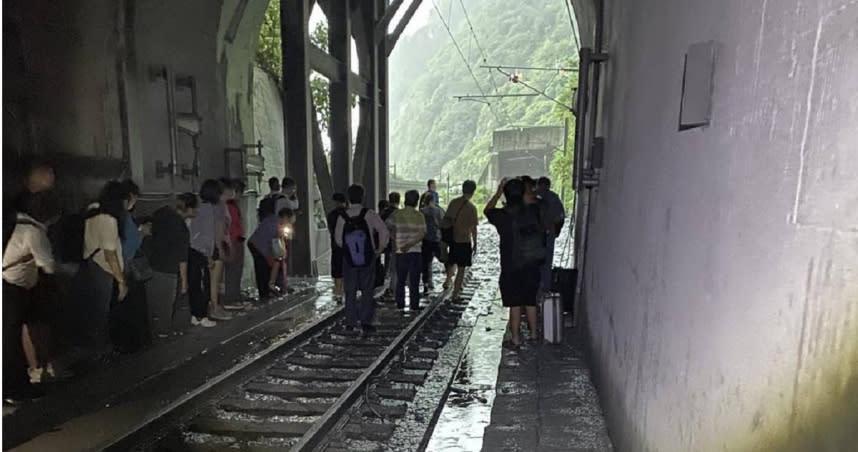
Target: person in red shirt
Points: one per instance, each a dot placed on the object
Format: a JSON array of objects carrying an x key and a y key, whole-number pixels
[{"x": 235, "y": 261}]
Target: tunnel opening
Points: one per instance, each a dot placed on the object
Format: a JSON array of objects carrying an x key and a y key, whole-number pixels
[{"x": 745, "y": 222}]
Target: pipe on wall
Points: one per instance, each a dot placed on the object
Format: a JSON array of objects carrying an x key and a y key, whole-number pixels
[{"x": 586, "y": 122}]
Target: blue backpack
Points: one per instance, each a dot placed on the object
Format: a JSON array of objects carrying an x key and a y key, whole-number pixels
[{"x": 357, "y": 240}]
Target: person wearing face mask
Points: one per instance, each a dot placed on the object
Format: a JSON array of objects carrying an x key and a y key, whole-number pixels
[
  {"x": 168, "y": 256},
  {"x": 129, "y": 326},
  {"x": 289, "y": 200},
  {"x": 102, "y": 270},
  {"x": 203, "y": 253}
]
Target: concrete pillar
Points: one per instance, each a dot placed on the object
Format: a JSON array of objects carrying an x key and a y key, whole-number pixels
[
  {"x": 371, "y": 170},
  {"x": 366, "y": 149},
  {"x": 340, "y": 125},
  {"x": 382, "y": 111},
  {"x": 294, "y": 17}
]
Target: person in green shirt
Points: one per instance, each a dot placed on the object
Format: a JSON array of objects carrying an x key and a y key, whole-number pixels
[{"x": 408, "y": 226}]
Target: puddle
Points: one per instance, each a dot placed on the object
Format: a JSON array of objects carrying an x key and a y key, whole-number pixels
[{"x": 468, "y": 409}]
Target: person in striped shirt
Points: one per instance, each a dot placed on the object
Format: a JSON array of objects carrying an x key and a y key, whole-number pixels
[{"x": 409, "y": 228}]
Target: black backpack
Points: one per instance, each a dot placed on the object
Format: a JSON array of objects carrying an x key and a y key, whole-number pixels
[
  {"x": 357, "y": 241},
  {"x": 268, "y": 205},
  {"x": 71, "y": 228},
  {"x": 529, "y": 240}
]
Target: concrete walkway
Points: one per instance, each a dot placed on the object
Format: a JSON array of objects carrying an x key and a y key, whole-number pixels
[
  {"x": 546, "y": 402},
  {"x": 92, "y": 411}
]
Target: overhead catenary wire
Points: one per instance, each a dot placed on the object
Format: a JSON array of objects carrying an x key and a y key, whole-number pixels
[
  {"x": 572, "y": 24},
  {"x": 482, "y": 51},
  {"x": 473, "y": 33},
  {"x": 536, "y": 90},
  {"x": 462, "y": 55}
]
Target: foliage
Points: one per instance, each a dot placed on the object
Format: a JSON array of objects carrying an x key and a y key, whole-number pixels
[
  {"x": 269, "y": 54},
  {"x": 432, "y": 134},
  {"x": 561, "y": 168},
  {"x": 320, "y": 86},
  {"x": 269, "y": 57}
]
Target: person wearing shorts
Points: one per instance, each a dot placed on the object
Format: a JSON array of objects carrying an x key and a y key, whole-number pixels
[
  {"x": 462, "y": 215},
  {"x": 336, "y": 251}
]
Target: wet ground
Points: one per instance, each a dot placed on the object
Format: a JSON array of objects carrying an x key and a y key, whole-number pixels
[
  {"x": 467, "y": 411},
  {"x": 537, "y": 398}
]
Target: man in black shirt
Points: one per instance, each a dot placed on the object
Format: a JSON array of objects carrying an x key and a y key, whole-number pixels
[
  {"x": 168, "y": 256},
  {"x": 336, "y": 251},
  {"x": 389, "y": 256}
]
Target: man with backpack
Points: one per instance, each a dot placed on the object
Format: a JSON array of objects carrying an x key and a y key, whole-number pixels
[
  {"x": 459, "y": 232},
  {"x": 355, "y": 232},
  {"x": 521, "y": 227},
  {"x": 268, "y": 205}
]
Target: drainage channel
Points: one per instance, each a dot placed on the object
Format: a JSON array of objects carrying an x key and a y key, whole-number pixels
[{"x": 296, "y": 394}]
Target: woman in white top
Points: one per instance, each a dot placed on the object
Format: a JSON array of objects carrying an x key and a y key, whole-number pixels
[
  {"x": 101, "y": 271},
  {"x": 27, "y": 251}
]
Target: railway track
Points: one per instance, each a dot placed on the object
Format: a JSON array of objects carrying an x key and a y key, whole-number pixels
[{"x": 326, "y": 388}]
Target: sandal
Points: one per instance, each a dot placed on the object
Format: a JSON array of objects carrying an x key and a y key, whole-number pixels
[
  {"x": 510, "y": 345},
  {"x": 237, "y": 306}
]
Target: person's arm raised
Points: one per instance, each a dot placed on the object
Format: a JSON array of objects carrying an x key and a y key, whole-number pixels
[{"x": 493, "y": 202}]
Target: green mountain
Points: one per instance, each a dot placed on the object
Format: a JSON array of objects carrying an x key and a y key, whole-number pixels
[{"x": 432, "y": 133}]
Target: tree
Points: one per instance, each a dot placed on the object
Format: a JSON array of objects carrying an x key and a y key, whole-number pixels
[
  {"x": 562, "y": 165},
  {"x": 269, "y": 57},
  {"x": 430, "y": 132},
  {"x": 269, "y": 54},
  {"x": 319, "y": 85}
]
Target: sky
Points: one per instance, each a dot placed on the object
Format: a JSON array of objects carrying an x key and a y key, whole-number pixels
[
  {"x": 417, "y": 22},
  {"x": 421, "y": 17}
]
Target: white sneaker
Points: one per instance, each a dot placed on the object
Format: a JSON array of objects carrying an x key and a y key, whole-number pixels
[
  {"x": 49, "y": 369},
  {"x": 204, "y": 322},
  {"x": 35, "y": 375}
]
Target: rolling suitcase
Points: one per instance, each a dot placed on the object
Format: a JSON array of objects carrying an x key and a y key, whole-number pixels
[{"x": 552, "y": 318}]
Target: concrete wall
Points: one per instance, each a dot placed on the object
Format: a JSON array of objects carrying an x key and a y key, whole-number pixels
[
  {"x": 80, "y": 72},
  {"x": 268, "y": 124},
  {"x": 722, "y": 277},
  {"x": 191, "y": 38}
]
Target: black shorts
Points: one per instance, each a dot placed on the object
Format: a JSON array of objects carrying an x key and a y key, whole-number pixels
[
  {"x": 431, "y": 249},
  {"x": 337, "y": 262},
  {"x": 461, "y": 254},
  {"x": 518, "y": 287}
]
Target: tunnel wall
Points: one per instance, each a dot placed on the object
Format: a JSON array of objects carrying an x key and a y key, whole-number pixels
[
  {"x": 84, "y": 96},
  {"x": 722, "y": 277},
  {"x": 268, "y": 124}
]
